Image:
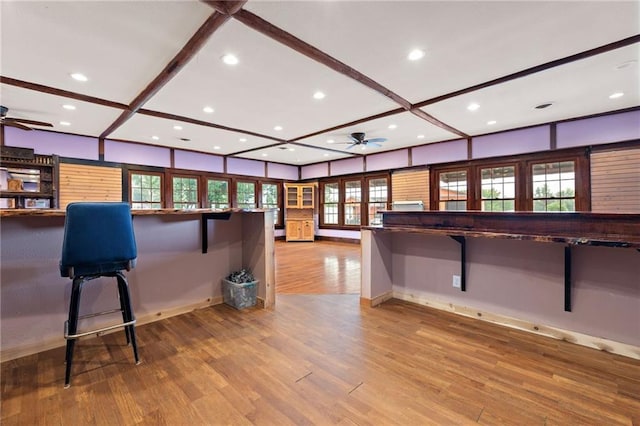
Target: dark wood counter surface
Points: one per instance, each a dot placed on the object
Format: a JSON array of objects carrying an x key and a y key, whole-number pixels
[
  {"x": 599, "y": 229},
  {"x": 140, "y": 212}
]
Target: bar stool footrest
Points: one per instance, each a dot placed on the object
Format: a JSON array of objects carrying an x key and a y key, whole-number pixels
[{"x": 96, "y": 331}]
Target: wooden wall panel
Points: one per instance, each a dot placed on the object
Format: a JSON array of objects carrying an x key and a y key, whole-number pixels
[
  {"x": 615, "y": 181},
  {"x": 89, "y": 183},
  {"x": 411, "y": 186}
]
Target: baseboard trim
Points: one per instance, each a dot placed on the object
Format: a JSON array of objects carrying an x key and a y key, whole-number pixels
[
  {"x": 21, "y": 351},
  {"x": 372, "y": 303},
  {"x": 601, "y": 344}
]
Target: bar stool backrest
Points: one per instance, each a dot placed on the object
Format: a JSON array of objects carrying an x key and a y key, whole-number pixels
[{"x": 98, "y": 239}]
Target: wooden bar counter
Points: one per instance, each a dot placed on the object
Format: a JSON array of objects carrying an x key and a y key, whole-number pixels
[
  {"x": 182, "y": 257},
  {"x": 572, "y": 276}
]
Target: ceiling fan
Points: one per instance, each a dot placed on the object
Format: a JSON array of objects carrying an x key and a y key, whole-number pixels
[
  {"x": 20, "y": 123},
  {"x": 357, "y": 138}
]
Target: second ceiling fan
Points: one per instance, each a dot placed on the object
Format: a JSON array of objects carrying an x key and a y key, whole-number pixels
[{"x": 358, "y": 138}]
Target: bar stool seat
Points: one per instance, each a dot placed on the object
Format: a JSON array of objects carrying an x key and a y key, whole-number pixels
[{"x": 98, "y": 242}]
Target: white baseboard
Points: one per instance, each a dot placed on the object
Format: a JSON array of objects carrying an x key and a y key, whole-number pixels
[
  {"x": 52, "y": 343},
  {"x": 605, "y": 345}
]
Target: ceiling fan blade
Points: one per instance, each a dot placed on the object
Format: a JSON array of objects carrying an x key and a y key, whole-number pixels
[
  {"x": 376, "y": 140},
  {"x": 354, "y": 139},
  {"x": 352, "y": 145},
  {"x": 27, "y": 121},
  {"x": 16, "y": 125}
]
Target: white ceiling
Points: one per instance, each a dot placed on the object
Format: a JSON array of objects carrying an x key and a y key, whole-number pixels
[{"x": 123, "y": 46}]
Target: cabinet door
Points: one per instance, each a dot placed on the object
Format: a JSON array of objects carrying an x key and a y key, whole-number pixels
[
  {"x": 294, "y": 230},
  {"x": 306, "y": 201},
  {"x": 307, "y": 230},
  {"x": 292, "y": 196}
]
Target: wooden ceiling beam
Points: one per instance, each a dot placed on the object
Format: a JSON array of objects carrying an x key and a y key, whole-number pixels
[
  {"x": 59, "y": 92},
  {"x": 227, "y": 7},
  {"x": 431, "y": 119},
  {"x": 304, "y": 48},
  {"x": 195, "y": 43}
]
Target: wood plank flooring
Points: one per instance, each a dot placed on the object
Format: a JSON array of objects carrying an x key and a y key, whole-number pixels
[{"x": 324, "y": 360}]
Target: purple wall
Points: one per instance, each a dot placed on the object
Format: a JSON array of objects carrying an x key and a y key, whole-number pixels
[
  {"x": 443, "y": 152},
  {"x": 198, "y": 161},
  {"x": 315, "y": 171},
  {"x": 347, "y": 166},
  {"x": 388, "y": 160},
  {"x": 134, "y": 153},
  {"x": 48, "y": 143},
  {"x": 522, "y": 141},
  {"x": 282, "y": 171},
  {"x": 241, "y": 166},
  {"x": 598, "y": 130}
]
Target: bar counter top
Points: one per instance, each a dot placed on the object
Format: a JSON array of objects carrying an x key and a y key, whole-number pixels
[{"x": 134, "y": 212}]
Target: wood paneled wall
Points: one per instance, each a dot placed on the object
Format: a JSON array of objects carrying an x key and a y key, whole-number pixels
[
  {"x": 615, "y": 181},
  {"x": 89, "y": 183},
  {"x": 411, "y": 186}
]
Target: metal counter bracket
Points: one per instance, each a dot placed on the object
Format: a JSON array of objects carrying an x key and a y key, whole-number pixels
[
  {"x": 567, "y": 278},
  {"x": 204, "y": 226},
  {"x": 463, "y": 261}
]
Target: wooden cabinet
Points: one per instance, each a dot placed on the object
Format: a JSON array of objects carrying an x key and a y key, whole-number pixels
[
  {"x": 300, "y": 196},
  {"x": 27, "y": 180},
  {"x": 300, "y": 230}
]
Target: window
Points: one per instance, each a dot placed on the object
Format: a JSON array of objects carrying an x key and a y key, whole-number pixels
[
  {"x": 218, "y": 193},
  {"x": 352, "y": 202},
  {"x": 378, "y": 199},
  {"x": 498, "y": 189},
  {"x": 331, "y": 197},
  {"x": 452, "y": 190},
  {"x": 270, "y": 199},
  {"x": 185, "y": 192},
  {"x": 146, "y": 191},
  {"x": 554, "y": 186},
  {"x": 246, "y": 195}
]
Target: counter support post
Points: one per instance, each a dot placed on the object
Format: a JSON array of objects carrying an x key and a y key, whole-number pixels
[{"x": 567, "y": 278}]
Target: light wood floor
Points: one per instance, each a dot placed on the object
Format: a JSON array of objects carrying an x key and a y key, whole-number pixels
[{"x": 323, "y": 359}]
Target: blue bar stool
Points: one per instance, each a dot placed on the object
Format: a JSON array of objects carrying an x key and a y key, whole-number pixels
[{"x": 98, "y": 242}]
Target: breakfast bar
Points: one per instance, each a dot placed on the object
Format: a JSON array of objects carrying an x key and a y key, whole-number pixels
[{"x": 183, "y": 255}]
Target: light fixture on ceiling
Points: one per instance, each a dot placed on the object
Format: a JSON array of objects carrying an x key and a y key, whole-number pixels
[
  {"x": 208, "y": 109},
  {"x": 277, "y": 128},
  {"x": 363, "y": 147},
  {"x": 65, "y": 123},
  {"x": 420, "y": 136},
  {"x": 292, "y": 149},
  {"x": 216, "y": 147},
  {"x": 319, "y": 95},
  {"x": 69, "y": 107},
  {"x": 242, "y": 139},
  {"x": 155, "y": 138},
  {"x": 393, "y": 126},
  {"x": 79, "y": 76},
  {"x": 415, "y": 54},
  {"x": 473, "y": 106},
  {"x": 230, "y": 59},
  {"x": 491, "y": 122},
  {"x": 176, "y": 127},
  {"x": 544, "y": 105},
  {"x": 264, "y": 154},
  {"x": 326, "y": 155},
  {"x": 330, "y": 141},
  {"x": 616, "y": 95}
]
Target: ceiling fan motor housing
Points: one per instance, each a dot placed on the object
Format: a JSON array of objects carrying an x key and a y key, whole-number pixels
[{"x": 358, "y": 136}]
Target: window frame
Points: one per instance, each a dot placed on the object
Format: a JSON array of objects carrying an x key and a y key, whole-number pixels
[
  {"x": 279, "y": 214},
  {"x": 132, "y": 172},
  {"x": 198, "y": 198},
  {"x": 235, "y": 192},
  {"x": 205, "y": 192}
]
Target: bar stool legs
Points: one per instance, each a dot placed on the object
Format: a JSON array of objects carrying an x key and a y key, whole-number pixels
[{"x": 71, "y": 326}]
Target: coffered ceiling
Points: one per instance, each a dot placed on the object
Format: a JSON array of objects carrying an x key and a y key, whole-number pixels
[{"x": 152, "y": 66}]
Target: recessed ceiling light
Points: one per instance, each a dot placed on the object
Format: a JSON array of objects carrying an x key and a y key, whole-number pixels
[
  {"x": 242, "y": 139},
  {"x": 420, "y": 136},
  {"x": 277, "y": 128},
  {"x": 616, "y": 95},
  {"x": 415, "y": 54},
  {"x": 491, "y": 122},
  {"x": 330, "y": 141},
  {"x": 544, "y": 105},
  {"x": 319, "y": 95},
  {"x": 392, "y": 126},
  {"x": 326, "y": 155},
  {"x": 264, "y": 154},
  {"x": 79, "y": 77},
  {"x": 155, "y": 138},
  {"x": 363, "y": 147},
  {"x": 216, "y": 147},
  {"x": 65, "y": 123},
  {"x": 69, "y": 107},
  {"x": 292, "y": 149},
  {"x": 176, "y": 127},
  {"x": 208, "y": 109},
  {"x": 230, "y": 59},
  {"x": 473, "y": 106}
]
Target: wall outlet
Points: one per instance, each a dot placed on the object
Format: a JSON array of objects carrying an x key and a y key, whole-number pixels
[{"x": 456, "y": 281}]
